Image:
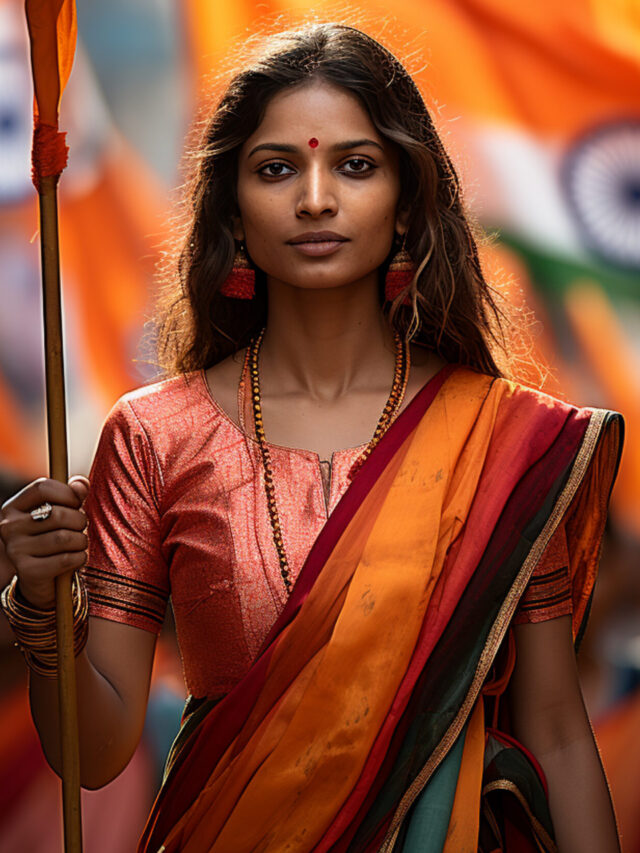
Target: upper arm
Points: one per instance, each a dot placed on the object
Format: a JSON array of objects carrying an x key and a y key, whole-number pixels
[
  {"x": 123, "y": 655},
  {"x": 545, "y": 697},
  {"x": 126, "y": 573}
]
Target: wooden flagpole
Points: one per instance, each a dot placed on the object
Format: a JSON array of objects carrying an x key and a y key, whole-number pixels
[
  {"x": 52, "y": 28},
  {"x": 58, "y": 470}
]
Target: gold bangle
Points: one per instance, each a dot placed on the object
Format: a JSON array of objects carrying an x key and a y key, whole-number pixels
[{"x": 35, "y": 629}]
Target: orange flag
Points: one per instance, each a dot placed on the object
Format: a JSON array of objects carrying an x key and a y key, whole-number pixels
[{"x": 52, "y": 32}]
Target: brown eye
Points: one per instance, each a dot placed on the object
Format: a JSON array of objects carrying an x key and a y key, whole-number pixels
[
  {"x": 276, "y": 170},
  {"x": 359, "y": 166}
]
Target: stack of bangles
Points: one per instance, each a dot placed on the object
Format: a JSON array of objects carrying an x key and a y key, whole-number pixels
[{"x": 35, "y": 629}]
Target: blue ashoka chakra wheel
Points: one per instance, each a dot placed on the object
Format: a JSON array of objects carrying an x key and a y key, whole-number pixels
[{"x": 601, "y": 178}]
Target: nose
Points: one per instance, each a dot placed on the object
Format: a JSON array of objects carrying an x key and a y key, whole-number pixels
[{"x": 317, "y": 193}]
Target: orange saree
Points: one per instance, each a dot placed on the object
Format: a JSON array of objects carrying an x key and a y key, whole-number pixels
[{"x": 370, "y": 677}]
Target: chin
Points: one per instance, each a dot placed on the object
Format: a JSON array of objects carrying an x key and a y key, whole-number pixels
[{"x": 327, "y": 280}]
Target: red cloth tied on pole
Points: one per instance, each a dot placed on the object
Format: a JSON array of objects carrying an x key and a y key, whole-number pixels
[{"x": 52, "y": 32}]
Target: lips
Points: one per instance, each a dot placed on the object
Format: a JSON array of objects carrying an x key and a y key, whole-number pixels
[{"x": 318, "y": 237}]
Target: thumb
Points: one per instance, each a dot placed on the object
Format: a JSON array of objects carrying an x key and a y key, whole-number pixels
[{"x": 80, "y": 486}]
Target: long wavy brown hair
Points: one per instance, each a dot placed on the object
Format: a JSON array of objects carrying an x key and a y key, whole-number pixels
[{"x": 454, "y": 311}]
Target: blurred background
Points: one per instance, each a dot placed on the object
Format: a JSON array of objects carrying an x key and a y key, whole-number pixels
[{"x": 539, "y": 104}]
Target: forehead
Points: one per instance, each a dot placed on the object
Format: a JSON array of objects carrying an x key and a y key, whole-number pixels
[{"x": 318, "y": 109}]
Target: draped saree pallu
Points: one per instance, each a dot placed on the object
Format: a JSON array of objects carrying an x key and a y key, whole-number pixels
[{"x": 360, "y": 726}]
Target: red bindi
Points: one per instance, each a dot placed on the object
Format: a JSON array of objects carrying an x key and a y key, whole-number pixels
[{"x": 313, "y": 142}]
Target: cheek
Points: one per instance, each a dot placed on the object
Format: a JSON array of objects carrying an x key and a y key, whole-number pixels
[
  {"x": 260, "y": 215},
  {"x": 378, "y": 206},
  {"x": 378, "y": 220},
  {"x": 264, "y": 236},
  {"x": 263, "y": 240}
]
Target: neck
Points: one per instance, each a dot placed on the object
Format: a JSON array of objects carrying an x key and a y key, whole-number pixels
[{"x": 325, "y": 343}]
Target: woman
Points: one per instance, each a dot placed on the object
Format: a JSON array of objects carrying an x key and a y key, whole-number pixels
[{"x": 348, "y": 618}]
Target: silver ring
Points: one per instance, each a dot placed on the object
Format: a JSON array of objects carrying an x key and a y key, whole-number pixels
[{"x": 41, "y": 513}]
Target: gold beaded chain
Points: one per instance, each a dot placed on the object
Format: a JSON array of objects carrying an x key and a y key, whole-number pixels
[
  {"x": 392, "y": 406},
  {"x": 241, "y": 390}
]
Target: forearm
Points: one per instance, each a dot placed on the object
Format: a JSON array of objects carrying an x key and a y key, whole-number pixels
[
  {"x": 579, "y": 799},
  {"x": 550, "y": 719},
  {"x": 113, "y": 670},
  {"x": 107, "y": 737}
]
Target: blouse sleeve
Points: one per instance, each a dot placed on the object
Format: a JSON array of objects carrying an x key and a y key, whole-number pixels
[
  {"x": 126, "y": 575},
  {"x": 548, "y": 594}
]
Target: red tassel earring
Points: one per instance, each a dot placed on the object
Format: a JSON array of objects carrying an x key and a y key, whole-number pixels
[
  {"x": 241, "y": 281},
  {"x": 399, "y": 275}
]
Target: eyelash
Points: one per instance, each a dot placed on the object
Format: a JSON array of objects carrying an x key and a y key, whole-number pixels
[{"x": 368, "y": 171}]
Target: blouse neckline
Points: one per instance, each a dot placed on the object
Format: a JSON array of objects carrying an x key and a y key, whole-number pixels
[{"x": 301, "y": 450}]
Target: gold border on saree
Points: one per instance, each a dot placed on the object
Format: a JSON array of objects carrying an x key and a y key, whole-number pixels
[{"x": 543, "y": 840}]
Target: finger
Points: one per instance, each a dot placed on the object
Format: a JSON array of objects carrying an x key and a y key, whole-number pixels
[
  {"x": 36, "y": 572},
  {"x": 21, "y": 550},
  {"x": 7, "y": 569},
  {"x": 55, "y": 542},
  {"x": 61, "y": 518},
  {"x": 80, "y": 486},
  {"x": 16, "y": 524},
  {"x": 42, "y": 491}
]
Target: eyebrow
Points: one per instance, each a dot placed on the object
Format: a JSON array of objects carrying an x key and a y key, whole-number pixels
[{"x": 293, "y": 149}]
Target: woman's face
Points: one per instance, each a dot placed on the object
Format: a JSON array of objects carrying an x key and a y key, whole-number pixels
[{"x": 316, "y": 163}]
